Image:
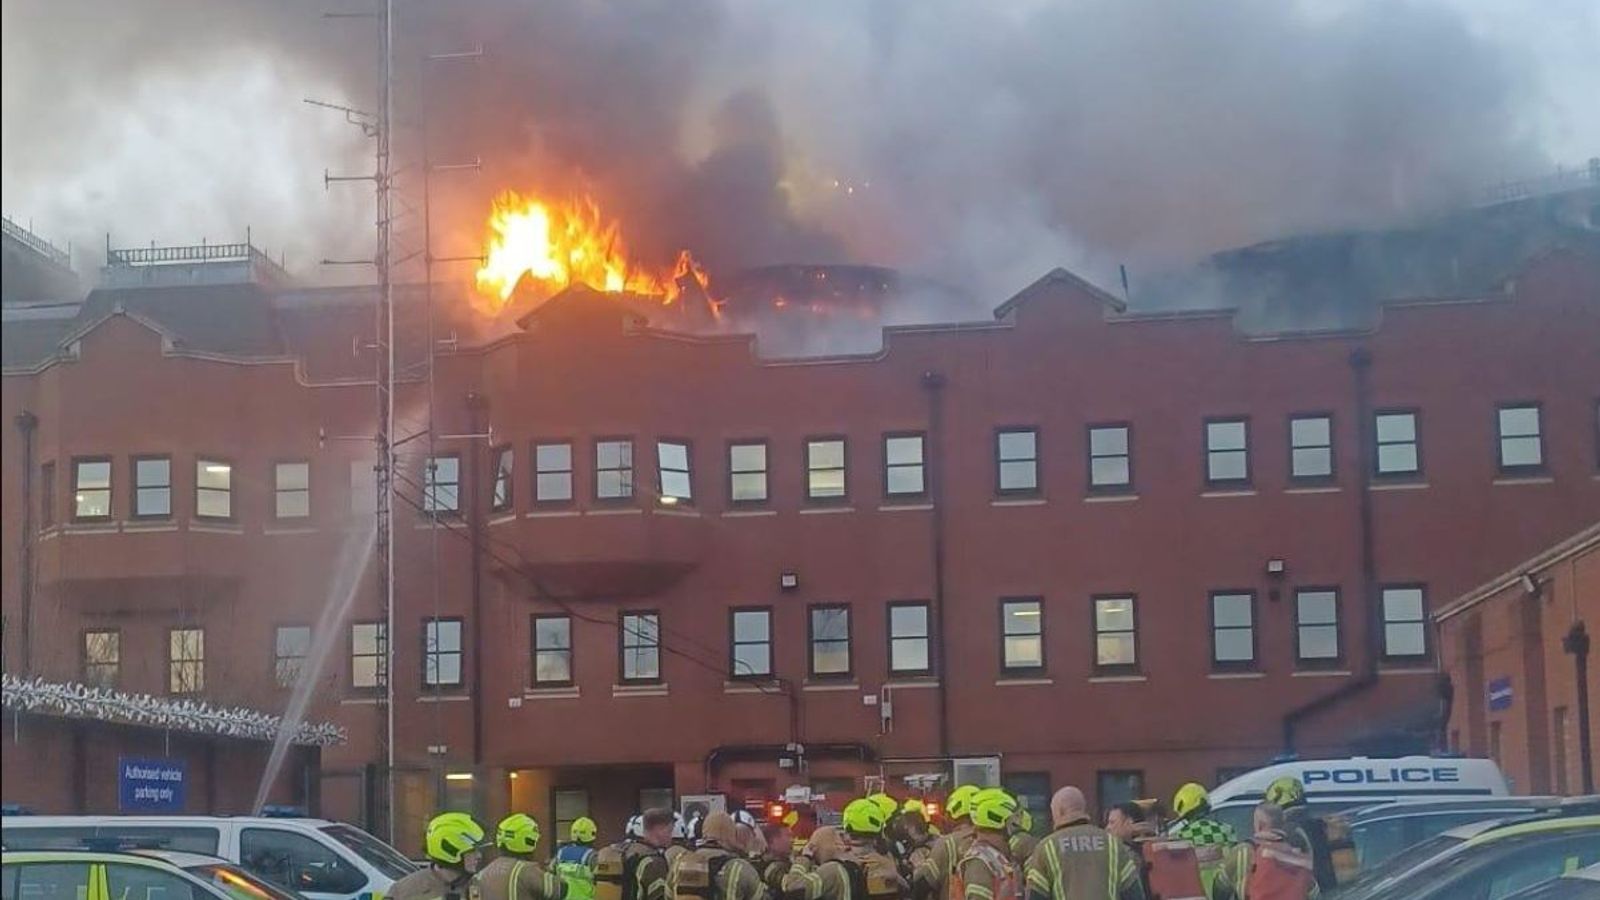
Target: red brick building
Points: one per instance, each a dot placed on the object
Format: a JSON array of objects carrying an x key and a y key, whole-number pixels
[{"x": 1076, "y": 544}]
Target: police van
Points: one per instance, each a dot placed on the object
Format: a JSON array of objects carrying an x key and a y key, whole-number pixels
[
  {"x": 1335, "y": 784},
  {"x": 318, "y": 858}
]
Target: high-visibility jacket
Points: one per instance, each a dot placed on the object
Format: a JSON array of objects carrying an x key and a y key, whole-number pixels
[
  {"x": 1307, "y": 831},
  {"x": 730, "y": 876},
  {"x": 1268, "y": 869},
  {"x": 574, "y": 863},
  {"x": 935, "y": 873},
  {"x": 434, "y": 883},
  {"x": 859, "y": 874},
  {"x": 1022, "y": 845},
  {"x": 987, "y": 871},
  {"x": 1211, "y": 839},
  {"x": 1080, "y": 861},
  {"x": 515, "y": 878}
]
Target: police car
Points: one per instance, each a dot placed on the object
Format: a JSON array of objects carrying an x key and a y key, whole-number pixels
[{"x": 1336, "y": 784}]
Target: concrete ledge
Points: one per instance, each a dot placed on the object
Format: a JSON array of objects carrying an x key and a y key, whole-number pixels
[
  {"x": 149, "y": 527},
  {"x": 1525, "y": 479},
  {"x": 552, "y": 514},
  {"x": 1022, "y": 682},
  {"x": 1399, "y": 486},
  {"x": 1020, "y": 501},
  {"x": 1118, "y": 679},
  {"x": 639, "y": 690},
  {"x": 305, "y": 530},
  {"x": 1249, "y": 492},
  {"x": 826, "y": 510},
  {"x": 1323, "y": 489},
  {"x": 620, "y": 511},
  {"x": 1235, "y": 676},
  {"x": 443, "y": 698},
  {"x": 1110, "y": 498},
  {"x": 748, "y": 513},
  {"x": 551, "y": 693},
  {"x": 826, "y": 686},
  {"x": 908, "y": 507},
  {"x": 911, "y": 685},
  {"x": 1321, "y": 673},
  {"x": 217, "y": 528}
]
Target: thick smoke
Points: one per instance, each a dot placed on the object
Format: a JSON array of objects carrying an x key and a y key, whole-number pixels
[{"x": 974, "y": 143}]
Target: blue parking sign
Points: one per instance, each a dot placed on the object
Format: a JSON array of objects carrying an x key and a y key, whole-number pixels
[{"x": 151, "y": 785}]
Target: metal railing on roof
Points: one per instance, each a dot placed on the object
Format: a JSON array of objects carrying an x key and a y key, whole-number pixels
[
  {"x": 192, "y": 253},
  {"x": 1562, "y": 179},
  {"x": 35, "y": 243}
]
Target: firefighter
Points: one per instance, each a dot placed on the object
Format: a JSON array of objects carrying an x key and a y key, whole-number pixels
[
  {"x": 933, "y": 876},
  {"x": 1269, "y": 866},
  {"x": 635, "y": 868},
  {"x": 847, "y": 865},
  {"x": 452, "y": 844},
  {"x": 1079, "y": 860},
  {"x": 909, "y": 837},
  {"x": 514, "y": 875},
  {"x": 574, "y": 860},
  {"x": 1304, "y": 829},
  {"x": 1209, "y": 837},
  {"x": 987, "y": 871},
  {"x": 1022, "y": 840},
  {"x": 715, "y": 869}
]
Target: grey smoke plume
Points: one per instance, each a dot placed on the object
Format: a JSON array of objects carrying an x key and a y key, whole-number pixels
[{"x": 975, "y": 143}]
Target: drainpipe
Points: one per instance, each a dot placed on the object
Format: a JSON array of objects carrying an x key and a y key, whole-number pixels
[
  {"x": 1576, "y": 642},
  {"x": 1361, "y": 377},
  {"x": 476, "y": 404},
  {"x": 933, "y": 382},
  {"x": 27, "y": 424}
]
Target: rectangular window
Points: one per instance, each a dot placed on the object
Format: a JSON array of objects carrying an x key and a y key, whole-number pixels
[
  {"x": 369, "y": 655},
  {"x": 830, "y": 640},
  {"x": 568, "y": 805},
  {"x": 1311, "y": 448},
  {"x": 1116, "y": 786},
  {"x": 825, "y": 460},
  {"x": 613, "y": 469},
  {"x": 1405, "y": 622},
  {"x": 291, "y": 485},
  {"x": 552, "y": 650},
  {"x": 186, "y": 660},
  {"x": 1233, "y": 629},
  {"x": 1227, "y": 451},
  {"x": 747, "y": 472},
  {"x": 500, "y": 495},
  {"x": 1021, "y": 635},
  {"x": 656, "y": 798},
  {"x": 750, "y": 637},
  {"x": 152, "y": 487},
  {"x": 1316, "y": 622},
  {"x": 1016, "y": 453},
  {"x": 1521, "y": 443},
  {"x": 441, "y": 652},
  {"x": 1110, "y": 458},
  {"x": 672, "y": 467},
  {"x": 291, "y": 645},
  {"x": 91, "y": 489},
  {"x": 903, "y": 471},
  {"x": 908, "y": 639},
  {"x": 641, "y": 646},
  {"x": 1398, "y": 449},
  {"x": 102, "y": 658},
  {"x": 1032, "y": 790},
  {"x": 441, "y": 484},
  {"x": 213, "y": 489},
  {"x": 552, "y": 473},
  {"x": 47, "y": 495},
  {"x": 1116, "y": 645}
]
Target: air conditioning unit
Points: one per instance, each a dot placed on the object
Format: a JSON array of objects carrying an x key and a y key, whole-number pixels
[{"x": 983, "y": 771}]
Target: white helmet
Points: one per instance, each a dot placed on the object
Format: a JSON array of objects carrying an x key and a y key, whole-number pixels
[
  {"x": 680, "y": 828},
  {"x": 634, "y": 828},
  {"x": 743, "y": 816}
]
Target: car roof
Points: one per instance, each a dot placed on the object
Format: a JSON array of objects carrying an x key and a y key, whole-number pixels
[
  {"x": 88, "y": 856},
  {"x": 1420, "y": 806},
  {"x": 26, "y": 821},
  {"x": 1537, "y": 826},
  {"x": 183, "y": 859}
]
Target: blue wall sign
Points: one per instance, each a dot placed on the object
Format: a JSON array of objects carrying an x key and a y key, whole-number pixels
[
  {"x": 151, "y": 785},
  {"x": 1500, "y": 694}
]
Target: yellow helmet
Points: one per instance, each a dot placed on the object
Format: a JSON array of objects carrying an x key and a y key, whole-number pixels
[
  {"x": 518, "y": 833},
  {"x": 1191, "y": 800},
  {"x": 915, "y": 807},
  {"x": 1286, "y": 792},
  {"x": 1024, "y": 819},
  {"x": 885, "y": 803},
  {"x": 864, "y": 817},
  {"x": 992, "y": 808},
  {"x": 451, "y": 836},
  {"x": 959, "y": 804},
  {"x": 583, "y": 830}
]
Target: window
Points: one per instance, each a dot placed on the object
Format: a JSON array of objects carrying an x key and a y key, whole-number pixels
[
  {"x": 1032, "y": 790},
  {"x": 186, "y": 660},
  {"x": 1016, "y": 453},
  {"x": 1115, "y": 786},
  {"x": 1116, "y": 645},
  {"x": 291, "y": 484},
  {"x": 135, "y": 881},
  {"x": 91, "y": 489},
  {"x": 552, "y": 473},
  {"x": 552, "y": 650},
  {"x": 1521, "y": 445},
  {"x": 830, "y": 640},
  {"x": 908, "y": 639},
  {"x": 751, "y": 638},
  {"x": 213, "y": 489},
  {"x": 1398, "y": 453},
  {"x": 102, "y": 657},
  {"x": 1316, "y": 621},
  {"x": 500, "y": 495},
  {"x": 369, "y": 663},
  {"x": 152, "y": 487},
  {"x": 1405, "y": 623},
  {"x": 441, "y": 484},
  {"x": 613, "y": 470},
  {"x": 297, "y": 862},
  {"x": 568, "y": 805},
  {"x": 290, "y": 647},
  {"x": 1021, "y": 635},
  {"x": 903, "y": 472},
  {"x": 1110, "y": 458},
  {"x": 48, "y": 881},
  {"x": 441, "y": 652},
  {"x": 47, "y": 495},
  {"x": 747, "y": 472},
  {"x": 1228, "y": 451},
  {"x": 1233, "y": 629},
  {"x": 672, "y": 466},
  {"x": 363, "y": 488},
  {"x": 825, "y": 459},
  {"x": 1311, "y": 448},
  {"x": 656, "y": 798},
  {"x": 641, "y": 646}
]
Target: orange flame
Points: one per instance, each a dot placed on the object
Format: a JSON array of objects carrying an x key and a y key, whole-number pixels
[{"x": 557, "y": 245}]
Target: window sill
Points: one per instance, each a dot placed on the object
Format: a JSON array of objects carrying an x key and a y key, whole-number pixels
[
  {"x": 552, "y": 514},
  {"x": 1398, "y": 486},
  {"x": 428, "y": 696},
  {"x": 1118, "y": 679},
  {"x": 565, "y": 692},
  {"x": 826, "y": 510},
  {"x": 752, "y": 686},
  {"x": 905, "y": 507},
  {"x": 1110, "y": 498},
  {"x": 1317, "y": 489},
  {"x": 618, "y": 511},
  {"x": 908, "y": 683},
  {"x": 1407, "y": 670},
  {"x": 1019, "y": 501},
  {"x": 1235, "y": 676},
  {"x": 1525, "y": 479},
  {"x": 362, "y": 701},
  {"x": 502, "y": 518},
  {"x": 748, "y": 513},
  {"x": 639, "y": 690},
  {"x": 1321, "y": 673},
  {"x": 149, "y": 527},
  {"x": 676, "y": 510},
  {"x": 304, "y": 529},
  {"x": 826, "y": 686},
  {"x": 215, "y": 528},
  {"x": 91, "y": 528},
  {"x": 1022, "y": 682},
  {"x": 1228, "y": 492}
]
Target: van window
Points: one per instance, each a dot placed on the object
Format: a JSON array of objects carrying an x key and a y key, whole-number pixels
[
  {"x": 297, "y": 862},
  {"x": 131, "y": 882},
  {"x": 192, "y": 839},
  {"x": 377, "y": 854},
  {"x": 45, "y": 881}
]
